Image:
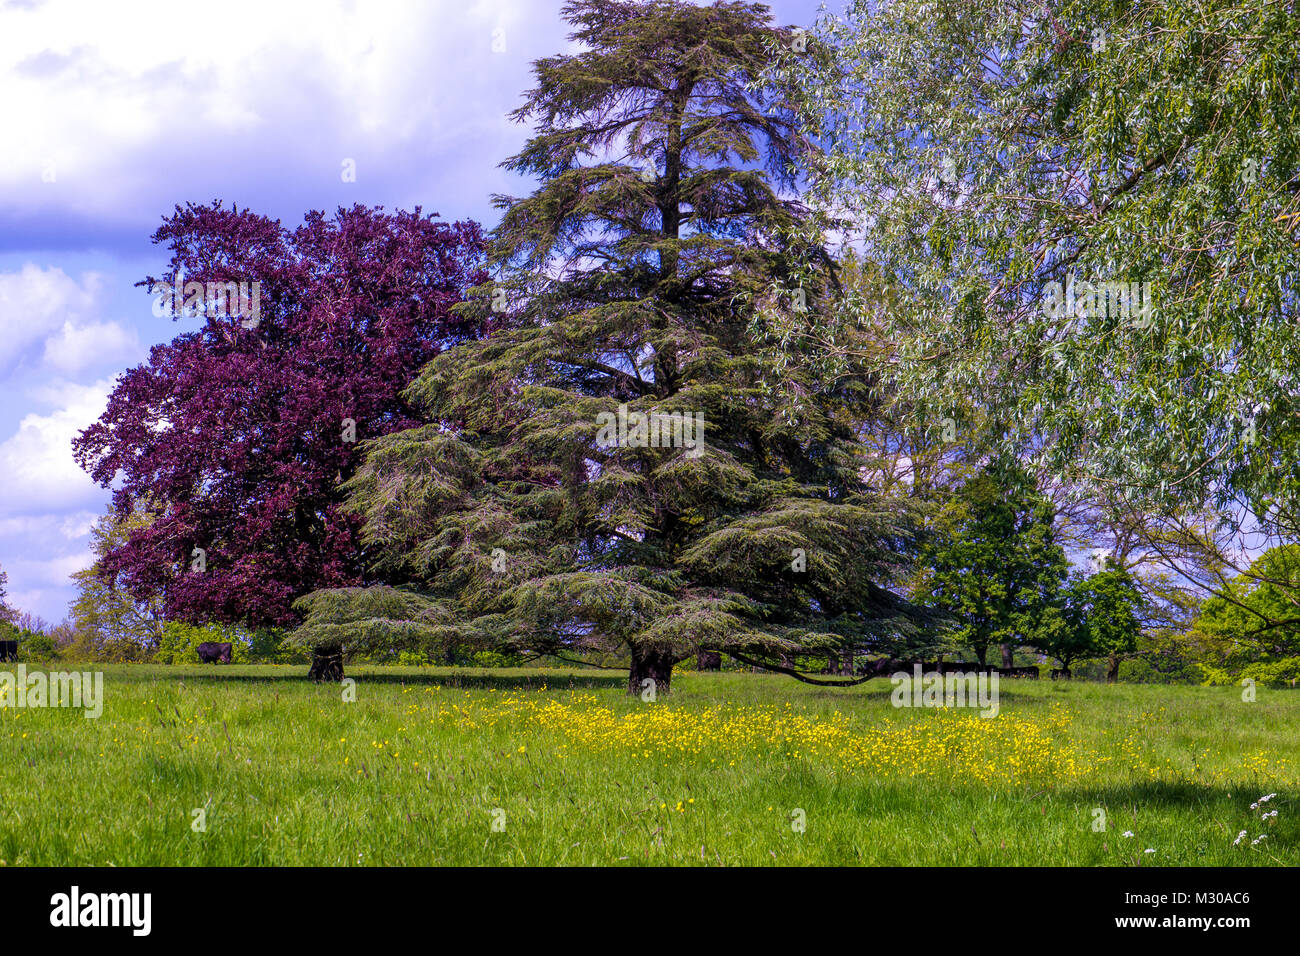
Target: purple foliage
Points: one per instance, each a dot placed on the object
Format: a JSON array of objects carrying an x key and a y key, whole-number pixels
[{"x": 234, "y": 431}]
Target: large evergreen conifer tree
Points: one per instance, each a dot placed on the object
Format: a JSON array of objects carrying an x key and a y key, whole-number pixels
[{"x": 531, "y": 512}]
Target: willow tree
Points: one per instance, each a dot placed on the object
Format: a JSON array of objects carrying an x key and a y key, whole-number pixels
[
  {"x": 1090, "y": 208},
  {"x": 610, "y": 468}
]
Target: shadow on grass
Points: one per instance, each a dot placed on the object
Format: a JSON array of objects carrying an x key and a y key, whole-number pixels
[
  {"x": 485, "y": 681},
  {"x": 472, "y": 679},
  {"x": 1215, "y": 798},
  {"x": 881, "y": 689}
]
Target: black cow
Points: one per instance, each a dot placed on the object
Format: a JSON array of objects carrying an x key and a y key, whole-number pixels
[
  {"x": 210, "y": 652},
  {"x": 1061, "y": 673},
  {"x": 8, "y": 650},
  {"x": 961, "y": 667},
  {"x": 881, "y": 667}
]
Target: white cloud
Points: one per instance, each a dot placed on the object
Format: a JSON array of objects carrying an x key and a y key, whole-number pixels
[
  {"x": 45, "y": 582},
  {"x": 117, "y": 107},
  {"x": 45, "y": 556},
  {"x": 36, "y": 465},
  {"x": 48, "y": 316},
  {"x": 55, "y": 571},
  {"x": 70, "y": 526},
  {"x": 79, "y": 347},
  {"x": 47, "y": 503},
  {"x": 36, "y": 302}
]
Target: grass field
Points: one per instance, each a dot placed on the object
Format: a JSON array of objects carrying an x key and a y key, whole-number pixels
[{"x": 730, "y": 769}]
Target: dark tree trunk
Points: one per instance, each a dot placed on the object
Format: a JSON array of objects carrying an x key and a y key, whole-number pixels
[
  {"x": 1112, "y": 669},
  {"x": 326, "y": 664},
  {"x": 1008, "y": 658},
  {"x": 708, "y": 661},
  {"x": 840, "y": 666},
  {"x": 649, "y": 664},
  {"x": 982, "y": 655}
]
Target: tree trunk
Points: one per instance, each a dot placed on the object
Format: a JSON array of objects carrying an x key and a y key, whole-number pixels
[
  {"x": 1112, "y": 669},
  {"x": 1008, "y": 658},
  {"x": 649, "y": 664},
  {"x": 326, "y": 664},
  {"x": 708, "y": 661}
]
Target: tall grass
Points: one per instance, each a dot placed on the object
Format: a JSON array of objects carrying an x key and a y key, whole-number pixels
[{"x": 434, "y": 766}]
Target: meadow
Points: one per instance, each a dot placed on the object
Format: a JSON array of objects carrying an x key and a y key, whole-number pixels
[{"x": 502, "y": 767}]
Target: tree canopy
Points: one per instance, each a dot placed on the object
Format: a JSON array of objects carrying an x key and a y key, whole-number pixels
[
  {"x": 542, "y": 507},
  {"x": 995, "y": 565},
  {"x": 1102, "y": 619},
  {"x": 107, "y": 619},
  {"x": 237, "y": 434},
  {"x": 1087, "y": 213}
]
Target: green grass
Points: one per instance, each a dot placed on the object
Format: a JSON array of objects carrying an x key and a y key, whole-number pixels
[{"x": 413, "y": 770}]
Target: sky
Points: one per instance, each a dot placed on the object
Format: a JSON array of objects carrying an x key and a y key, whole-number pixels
[{"x": 116, "y": 113}]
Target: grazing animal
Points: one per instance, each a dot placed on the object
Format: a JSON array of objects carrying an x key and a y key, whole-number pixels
[
  {"x": 962, "y": 667},
  {"x": 1060, "y": 673},
  {"x": 210, "y": 652},
  {"x": 8, "y": 650},
  {"x": 885, "y": 666}
]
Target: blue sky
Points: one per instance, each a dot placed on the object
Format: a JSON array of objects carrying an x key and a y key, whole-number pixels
[{"x": 115, "y": 113}]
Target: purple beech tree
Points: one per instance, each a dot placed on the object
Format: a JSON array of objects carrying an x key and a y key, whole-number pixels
[{"x": 238, "y": 433}]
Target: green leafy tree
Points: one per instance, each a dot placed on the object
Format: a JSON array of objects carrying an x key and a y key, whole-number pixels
[
  {"x": 179, "y": 643},
  {"x": 534, "y": 513},
  {"x": 1102, "y": 618},
  {"x": 1070, "y": 638},
  {"x": 1252, "y": 629},
  {"x": 995, "y": 565},
  {"x": 38, "y": 647},
  {"x": 7, "y": 614},
  {"x": 1166, "y": 655},
  {"x": 109, "y": 623},
  {"x": 1088, "y": 210}
]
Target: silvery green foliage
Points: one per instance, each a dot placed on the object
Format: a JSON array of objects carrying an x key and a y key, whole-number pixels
[
  {"x": 979, "y": 151},
  {"x": 531, "y": 513}
]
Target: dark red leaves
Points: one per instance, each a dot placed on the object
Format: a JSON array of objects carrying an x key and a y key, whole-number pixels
[{"x": 235, "y": 431}]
